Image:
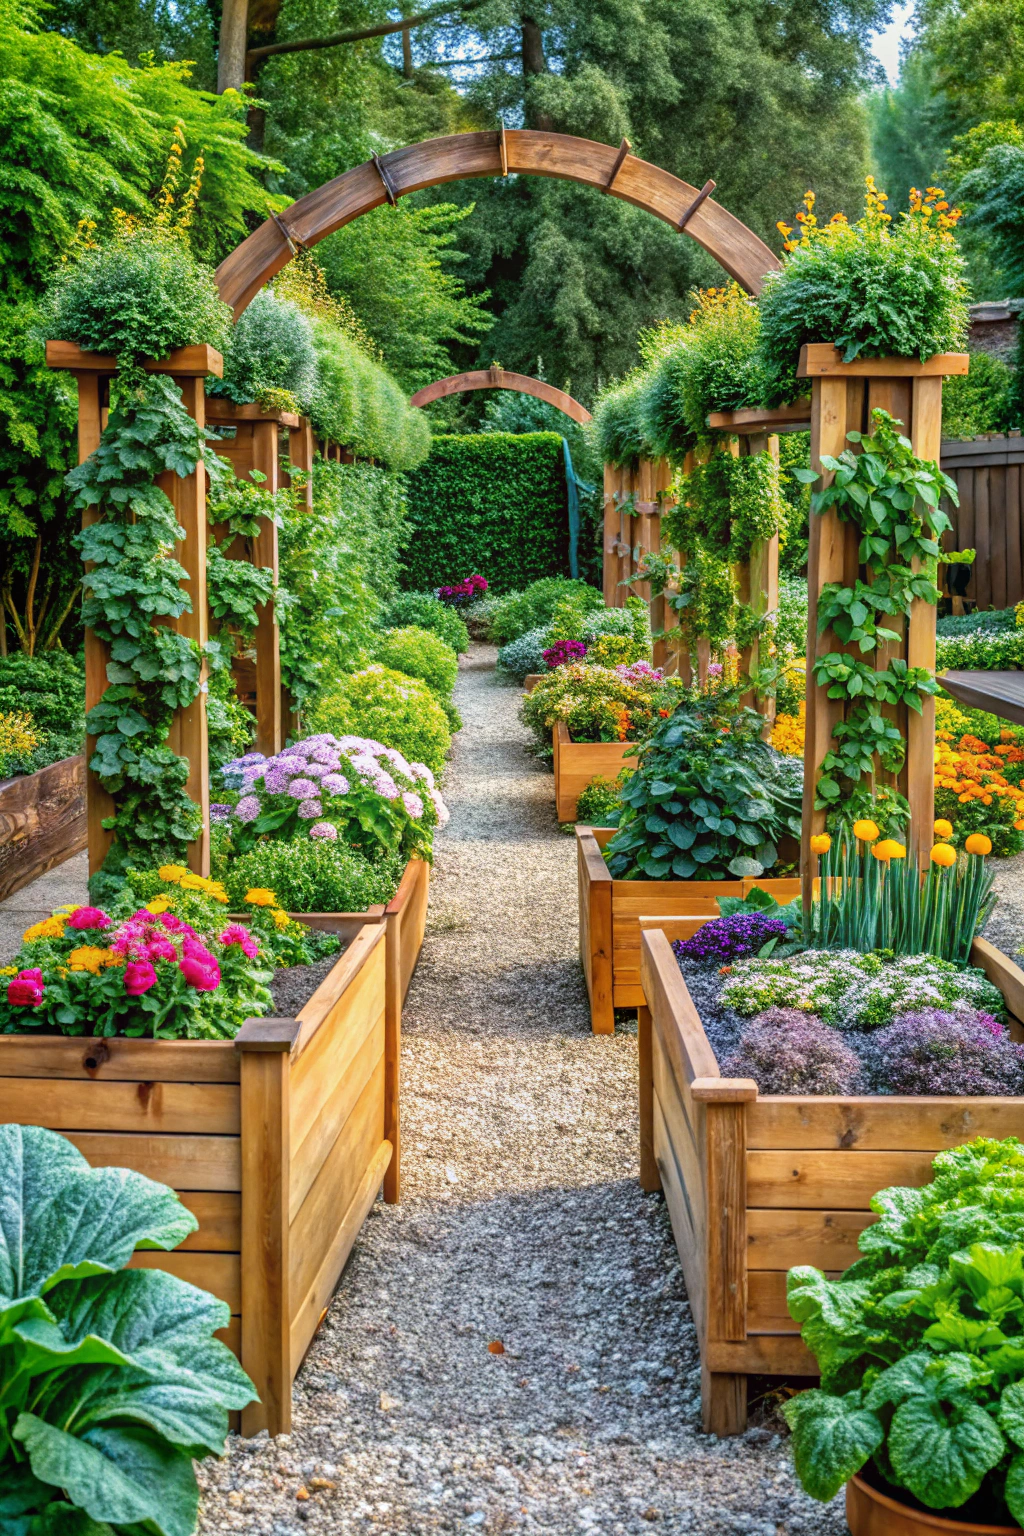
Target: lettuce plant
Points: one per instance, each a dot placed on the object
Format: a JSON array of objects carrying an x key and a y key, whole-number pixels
[
  {"x": 921, "y": 1343},
  {"x": 111, "y": 1380}
]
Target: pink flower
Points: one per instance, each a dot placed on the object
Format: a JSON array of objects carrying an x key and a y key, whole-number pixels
[
  {"x": 302, "y": 789},
  {"x": 159, "y": 948},
  {"x": 413, "y": 804},
  {"x": 139, "y": 976},
  {"x": 175, "y": 924},
  {"x": 32, "y": 974},
  {"x": 248, "y": 808},
  {"x": 194, "y": 949},
  {"x": 88, "y": 917},
  {"x": 24, "y": 992},
  {"x": 335, "y": 783},
  {"x": 325, "y": 829},
  {"x": 235, "y": 933},
  {"x": 309, "y": 809},
  {"x": 204, "y": 978}
]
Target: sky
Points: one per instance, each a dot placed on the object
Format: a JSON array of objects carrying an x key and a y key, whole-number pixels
[{"x": 886, "y": 46}]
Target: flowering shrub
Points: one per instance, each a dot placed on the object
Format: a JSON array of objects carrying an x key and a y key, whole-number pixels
[
  {"x": 940, "y": 1052},
  {"x": 727, "y": 938},
  {"x": 600, "y": 703},
  {"x": 386, "y": 706},
  {"x": 462, "y": 593},
  {"x": 328, "y": 787},
  {"x": 786, "y": 1051},
  {"x": 562, "y": 652},
  {"x": 524, "y": 655},
  {"x": 980, "y": 789},
  {"x": 80, "y": 973},
  {"x": 18, "y": 740},
  {"x": 788, "y": 732},
  {"x": 982, "y": 649},
  {"x": 855, "y": 991}
]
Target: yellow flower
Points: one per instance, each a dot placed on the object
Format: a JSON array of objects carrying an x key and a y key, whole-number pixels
[
  {"x": 883, "y": 850},
  {"x": 8, "y": 970},
  {"x": 158, "y": 904},
  {"x": 259, "y": 896},
  {"x": 943, "y": 829},
  {"x": 191, "y": 882},
  {"x": 944, "y": 855},
  {"x": 893, "y": 849},
  {"x": 821, "y": 843},
  {"x": 281, "y": 919},
  {"x": 865, "y": 831},
  {"x": 978, "y": 843},
  {"x": 90, "y": 958},
  {"x": 172, "y": 873},
  {"x": 49, "y": 928}
]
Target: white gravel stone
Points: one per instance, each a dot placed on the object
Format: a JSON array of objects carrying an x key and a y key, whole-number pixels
[{"x": 523, "y": 1223}]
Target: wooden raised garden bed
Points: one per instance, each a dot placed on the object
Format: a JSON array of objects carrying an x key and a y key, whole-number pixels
[
  {"x": 42, "y": 821},
  {"x": 578, "y": 762},
  {"x": 277, "y": 1141},
  {"x": 531, "y": 680},
  {"x": 757, "y": 1183},
  {"x": 610, "y": 912}
]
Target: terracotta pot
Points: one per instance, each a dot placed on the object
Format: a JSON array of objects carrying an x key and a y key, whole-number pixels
[{"x": 870, "y": 1513}]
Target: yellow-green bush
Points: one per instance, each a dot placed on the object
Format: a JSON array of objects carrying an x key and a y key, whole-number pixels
[{"x": 387, "y": 706}]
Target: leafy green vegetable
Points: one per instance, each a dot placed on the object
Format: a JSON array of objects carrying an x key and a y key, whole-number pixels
[
  {"x": 115, "y": 1382},
  {"x": 921, "y": 1342}
]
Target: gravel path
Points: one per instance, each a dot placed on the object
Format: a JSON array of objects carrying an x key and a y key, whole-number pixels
[{"x": 523, "y": 1225}]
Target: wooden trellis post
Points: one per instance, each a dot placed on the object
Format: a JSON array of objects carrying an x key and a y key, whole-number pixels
[
  {"x": 843, "y": 395},
  {"x": 256, "y": 446},
  {"x": 187, "y": 367},
  {"x": 618, "y": 533}
]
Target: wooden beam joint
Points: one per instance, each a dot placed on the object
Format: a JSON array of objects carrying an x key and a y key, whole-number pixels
[
  {"x": 624, "y": 149},
  {"x": 389, "y": 186},
  {"x": 295, "y": 245},
  {"x": 702, "y": 196}
]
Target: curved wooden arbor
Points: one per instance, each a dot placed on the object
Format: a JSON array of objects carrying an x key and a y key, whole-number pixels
[
  {"x": 498, "y": 378},
  {"x": 457, "y": 157}
]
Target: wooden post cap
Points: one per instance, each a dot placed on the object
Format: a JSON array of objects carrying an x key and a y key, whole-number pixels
[
  {"x": 267, "y": 1035},
  {"x": 819, "y": 359},
  {"x": 194, "y": 362},
  {"x": 724, "y": 1090}
]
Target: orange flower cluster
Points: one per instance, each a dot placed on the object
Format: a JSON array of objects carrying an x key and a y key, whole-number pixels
[{"x": 975, "y": 772}]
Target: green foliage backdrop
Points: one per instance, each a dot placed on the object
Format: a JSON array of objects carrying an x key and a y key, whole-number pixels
[{"x": 494, "y": 503}]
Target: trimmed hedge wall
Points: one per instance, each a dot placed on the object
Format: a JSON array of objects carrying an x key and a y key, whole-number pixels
[{"x": 494, "y": 502}]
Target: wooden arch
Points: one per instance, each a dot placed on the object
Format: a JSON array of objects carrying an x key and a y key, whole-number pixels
[
  {"x": 457, "y": 157},
  {"x": 498, "y": 378}
]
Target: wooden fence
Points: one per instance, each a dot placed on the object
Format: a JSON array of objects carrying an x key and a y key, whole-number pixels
[{"x": 989, "y": 473}]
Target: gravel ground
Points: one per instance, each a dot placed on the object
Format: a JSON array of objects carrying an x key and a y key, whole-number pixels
[{"x": 522, "y": 1225}]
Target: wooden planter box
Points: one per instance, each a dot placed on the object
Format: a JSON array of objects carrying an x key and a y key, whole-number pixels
[
  {"x": 531, "y": 680},
  {"x": 278, "y": 1142},
  {"x": 757, "y": 1183},
  {"x": 610, "y": 912},
  {"x": 577, "y": 762},
  {"x": 42, "y": 821}
]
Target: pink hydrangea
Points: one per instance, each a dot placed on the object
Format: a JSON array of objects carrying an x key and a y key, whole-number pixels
[
  {"x": 248, "y": 808},
  {"x": 413, "y": 804},
  {"x": 88, "y": 917},
  {"x": 310, "y": 809},
  {"x": 335, "y": 783},
  {"x": 422, "y": 774},
  {"x": 443, "y": 816},
  {"x": 139, "y": 976},
  {"x": 324, "y": 829},
  {"x": 204, "y": 978},
  {"x": 238, "y": 934},
  {"x": 314, "y": 770},
  {"x": 275, "y": 781}
]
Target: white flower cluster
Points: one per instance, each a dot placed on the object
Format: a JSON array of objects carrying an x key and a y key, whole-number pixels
[{"x": 855, "y": 991}]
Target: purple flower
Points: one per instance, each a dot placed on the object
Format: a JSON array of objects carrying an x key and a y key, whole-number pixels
[
  {"x": 324, "y": 752},
  {"x": 315, "y": 770},
  {"x": 275, "y": 781},
  {"x": 335, "y": 783},
  {"x": 385, "y": 785},
  {"x": 726, "y": 938},
  {"x": 248, "y": 808},
  {"x": 564, "y": 652},
  {"x": 786, "y": 1051},
  {"x": 413, "y": 804},
  {"x": 301, "y": 789},
  {"x": 324, "y": 829},
  {"x": 939, "y": 1051},
  {"x": 219, "y": 811},
  {"x": 308, "y": 809}
]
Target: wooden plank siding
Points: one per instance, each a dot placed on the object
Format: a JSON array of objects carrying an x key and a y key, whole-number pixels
[
  {"x": 576, "y": 763},
  {"x": 42, "y": 822},
  {"x": 755, "y": 1185},
  {"x": 278, "y": 1141},
  {"x": 990, "y": 517}
]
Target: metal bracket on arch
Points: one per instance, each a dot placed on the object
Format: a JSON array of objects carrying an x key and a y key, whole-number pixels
[
  {"x": 388, "y": 184},
  {"x": 295, "y": 245}
]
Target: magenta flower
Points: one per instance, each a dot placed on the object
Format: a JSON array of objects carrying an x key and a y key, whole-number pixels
[
  {"x": 159, "y": 948},
  {"x": 32, "y": 974},
  {"x": 325, "y": 829},
  {"x": 139, "y": 976},
  {"x": 24, "y": 992},
  {"x": 302, "y": 789},
  {"x": 175, "y": 924},
  {"x": 195, "y": 949},
  {"x": 413, "y": 804},
  {"x": 563, "y": 652},
  {"x": 248, "y": 808},
  {"x": 236, "y": 933},
  {"x": 309, "y": 809},
  {"x": 88, "y": 917},
  {"x": 204, "y": 978}
]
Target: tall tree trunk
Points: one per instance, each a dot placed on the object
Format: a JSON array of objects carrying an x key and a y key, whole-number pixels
[
  {"x": 534, "y": 64},
  {"x": 234, "y": 31},
  {"x": 406, "y": 47}
]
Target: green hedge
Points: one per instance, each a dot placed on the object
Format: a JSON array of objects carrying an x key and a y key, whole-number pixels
[{"x": 495, "y": 503}]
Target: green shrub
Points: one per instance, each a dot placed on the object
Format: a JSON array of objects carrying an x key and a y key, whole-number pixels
[
  {"x": 518, "y": 612},
  {"x": 988, "y": 621},
  {"x": 600, "y": 804},
  {"x": 420, "y": 653},
  {"x": 620, "y": 422},
  {"x": 424, "y": 611},
  {"x": 308, "y": 876},
  {"x": 271, "y": 350},
  {"x": 400, "y": 711},
  {"x": 524, "y": 655},
  {"x": 978, "y": 401},
  {"x": 984, "y": 650},
  {"x": 873, "y": 289},
  {"x": 140, "y": 296},
  {"x": 51, "y": 688},
  {"x": 495, "y": 502},
  {"x": 357, "y": 403}
]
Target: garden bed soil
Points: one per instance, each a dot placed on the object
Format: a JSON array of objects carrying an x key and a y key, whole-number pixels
[
  {"x": 755, "y": 1184},
  {"x": 42, "y": 821},
  {"x": 576, "y": 763},
  {"x": 609, "y": 920},
  {"x": 278, "y": 1141}
]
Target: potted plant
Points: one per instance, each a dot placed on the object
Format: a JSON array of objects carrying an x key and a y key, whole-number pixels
[{"x": 920, "y": 1411}]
